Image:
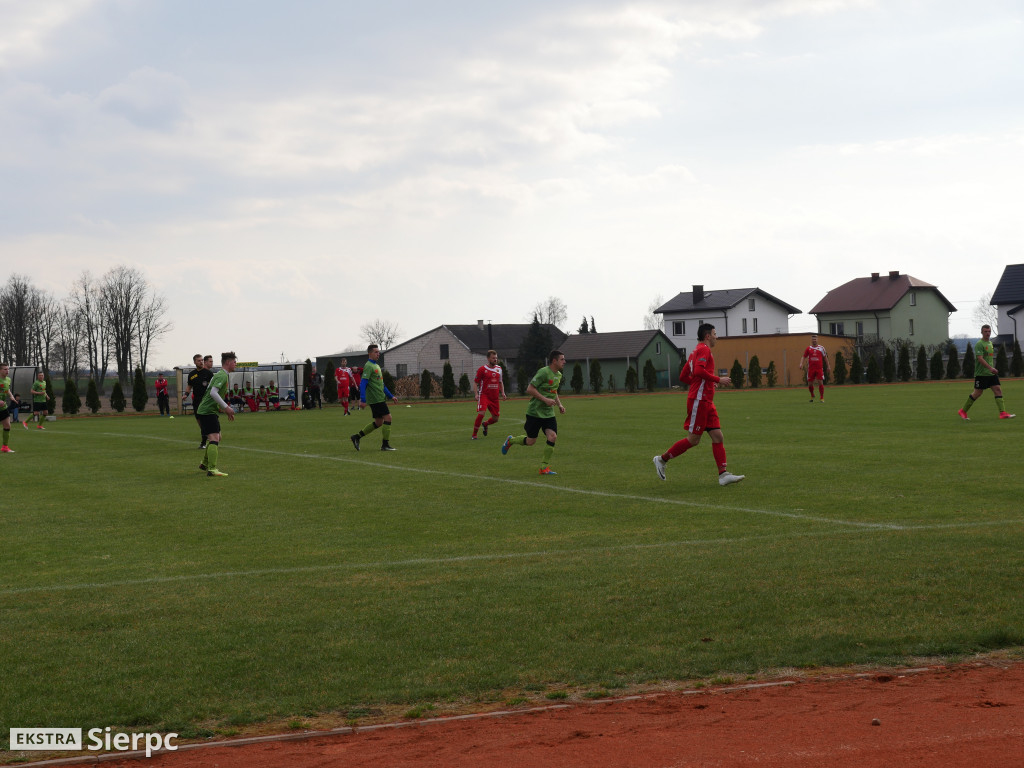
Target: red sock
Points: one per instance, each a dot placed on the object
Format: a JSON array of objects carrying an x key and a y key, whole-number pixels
[
  {"x": 491, "y": 420},
  {"x": 821, "y": 391},
  {"x": 718, "y": 449},
  {"x": 678, "y": 449},
  {"x": 810, "y": 388},
  {"x": 476, "y": 424}
]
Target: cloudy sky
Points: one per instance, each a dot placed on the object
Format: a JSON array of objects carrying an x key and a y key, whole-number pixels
[{"x": 285, "y": 172}]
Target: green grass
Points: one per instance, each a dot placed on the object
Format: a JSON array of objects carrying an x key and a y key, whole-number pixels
[{"x": 137, "y": 592}]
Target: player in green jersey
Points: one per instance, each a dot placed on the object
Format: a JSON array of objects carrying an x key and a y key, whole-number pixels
[
  {"x": 372, "y": 392},
  {"x": 540, "y": 412},
  {"x": 985, "y": 376},
  {"x": 39, "y": 399},
  {"x": 5, "y": 414},
  {"x": 214, "y": 401}
]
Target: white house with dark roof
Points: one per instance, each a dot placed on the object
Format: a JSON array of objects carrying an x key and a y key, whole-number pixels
[
  {"x": 733, "y": 312},
  {"x": 1008, "y": 299}
]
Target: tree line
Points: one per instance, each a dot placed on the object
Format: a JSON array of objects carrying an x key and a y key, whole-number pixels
[{"x": 112, "y": 320}]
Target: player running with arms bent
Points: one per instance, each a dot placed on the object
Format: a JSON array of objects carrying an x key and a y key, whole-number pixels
[{"x": 701, "y": 415}]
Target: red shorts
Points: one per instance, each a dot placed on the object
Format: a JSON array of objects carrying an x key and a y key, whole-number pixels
[
  {"x": 815, "y": 374},
  {"x": 487, "y": 404},
  {"x": 343, "y": 393},
  {"x": 701, "y": 415}
]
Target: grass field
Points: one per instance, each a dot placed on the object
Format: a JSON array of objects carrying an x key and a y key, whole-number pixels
[{"x": 135, "y": 591}]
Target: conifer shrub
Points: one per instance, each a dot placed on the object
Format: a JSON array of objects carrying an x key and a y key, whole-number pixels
[
  {"x": 72, "y": 402},
  {"x": 92, "y": 397},
  {"x": 754, "y": 372},
  {"x": 736, "y": 374},
  {"x": 117, "y": 401},
  {"x": 447, "y": 381},
  {"x": 139, "y": 394}
]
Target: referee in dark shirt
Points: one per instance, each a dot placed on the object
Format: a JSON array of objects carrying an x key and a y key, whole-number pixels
[{"x": 198, "y": 381}]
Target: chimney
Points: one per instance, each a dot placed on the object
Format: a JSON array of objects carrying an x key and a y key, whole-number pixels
[
  {"x": 874, "y": 277},
  {"x": 894, "y": 275},
  {"x": 698, "y": 294},
  {"x": 480, "y": 324}
]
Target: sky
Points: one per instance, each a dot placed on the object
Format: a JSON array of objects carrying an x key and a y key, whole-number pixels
[{"x": 284, "y": 173}]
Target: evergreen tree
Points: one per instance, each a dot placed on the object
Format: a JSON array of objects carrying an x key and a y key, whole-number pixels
[
  {"x": 650, "y": 375},
  {"x": 611, "y": 382},
  {"x": 387, "y": 378},
  {"x": 856, "y": 368},
  {"x": 139, "y": 394},
  {"x": 330, "y": 393},
  {"x": 577, "y": 378},
  {"x": 772, "y": 376},
  {"x": 953, "y": 364},
  {"x": 72, "y": 403},
  {"x": 596, "y": 379},
  {"x": 632, "y": 380},
  {"x": 840, "y": 368},
  {"x": 465, "y": 386},
  {"x": 51, "y": 404},
  {"x": 447, "y": 381},
  {"x": 936, "y": 371},
  {"x": 967, "y": 368},
  {"x": 523, "y": 378},
  {"x": 117, "y": 401},
  {"x": 754, "y": 372},
  {"x": 922, "y": 363},
  {"x": 736, "y": 374},
  {"x": 888, "y": 366},
  {"x": 1017, "y": 363},
  {"x": 904, "y": 371},
  {"x": 1002, "y": 362},
  {"x": 92, "y": 397},
  {"x": 584, "y": 328},
  {"x": 874, "y": 374},
  {"x": 505, "y": 380},
  {"x": 533, "y": 352},
  {"x": 593, "y": 328},
  {"x": 426, "y": 384}
]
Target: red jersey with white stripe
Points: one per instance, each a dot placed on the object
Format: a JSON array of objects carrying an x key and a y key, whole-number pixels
[
  {"x": 815, "y": 356},
  {"x": 344, "y": 378},
  {"x": 704, "y": 377},
  {"x": 488, "y": 382}
]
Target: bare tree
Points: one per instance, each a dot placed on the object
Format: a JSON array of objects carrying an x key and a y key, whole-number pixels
[
  {"x": 552, "y": 310},
  {"x": 124, "y": 292},
  {"x": 69, "y": 342},
  {"x": 44, "y": 322},
  {"x": 86, "y": 299},
  {"x": 383, "y": 333},
  {"x": 985, "y": 313},
  {"x": 15, "y": 320},
  {"x": 151, "y": 324},
  {"x": 652, "y": 321}
]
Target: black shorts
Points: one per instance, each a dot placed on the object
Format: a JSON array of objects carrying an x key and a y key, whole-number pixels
[
  {"x": 209, "y": 423},
  {"x": 4, "y": 412},
  {"x": 36, "y": 407},
  {"x": 379, "y": 410},
  {"x": 535, "y": 425},
  {"x": 986, "y": 382}
]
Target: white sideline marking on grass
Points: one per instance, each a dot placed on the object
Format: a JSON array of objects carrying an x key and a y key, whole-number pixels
[
  {"x": 546, "y": 486},
  {"x": 455, "y": 559}
]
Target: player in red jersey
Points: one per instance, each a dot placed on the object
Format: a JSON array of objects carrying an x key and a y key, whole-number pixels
[
  {"x": 343, "y": 375},
  {"x": 489, "y": 388},
  {"x": 701, "y": 415},
  {"x": 815, "y": 362}
]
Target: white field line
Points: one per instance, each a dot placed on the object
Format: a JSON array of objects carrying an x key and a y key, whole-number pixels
[{"x": 496, "y": 556}]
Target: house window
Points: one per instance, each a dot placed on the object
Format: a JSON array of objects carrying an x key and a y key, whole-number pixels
[
  {"x": 744, "y": 325},
  {"x": 679, "y": 328},
  {"x": 444, "y": 351},
  {"x": 401, "y": 370},
  {"x": 657, "y": 348},
  {"x": 750, "y": 305},
  {"x": 836, "y": 329},
  {"x": 911, "y": 326},
  {"x": 860, "y": 331},
  {"x": 913, "y": 299},
  {"x": 755, "y": 325}
]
